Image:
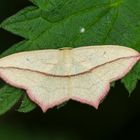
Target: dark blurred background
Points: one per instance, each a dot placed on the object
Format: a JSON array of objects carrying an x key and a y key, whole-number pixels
[{"x": 118, "y": 117}]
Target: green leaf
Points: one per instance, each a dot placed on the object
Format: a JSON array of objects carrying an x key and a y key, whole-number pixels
[
  {"x": 59, "y": 23},
  {"x": 130, "y": 81},
  {"x": 26, "y": 23},
  {"x": 40, "y": 3},
  {"x": 26, "y": 105},
  {"x": 9, "y": 96}
]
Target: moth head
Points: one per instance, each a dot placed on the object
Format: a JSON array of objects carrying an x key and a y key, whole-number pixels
[{"x": 66, "y": 48}]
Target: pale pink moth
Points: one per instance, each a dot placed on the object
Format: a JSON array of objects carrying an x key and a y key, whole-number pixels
[{"x": 51, "y": 77}]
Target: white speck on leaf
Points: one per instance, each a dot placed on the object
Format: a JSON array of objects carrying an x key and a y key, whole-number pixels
[{"x": 82, "y": 30}]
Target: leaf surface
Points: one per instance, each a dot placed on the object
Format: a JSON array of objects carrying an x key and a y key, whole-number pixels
[
  {"x": 26, "y": 105},
  {"x": 9, "y": 96}
]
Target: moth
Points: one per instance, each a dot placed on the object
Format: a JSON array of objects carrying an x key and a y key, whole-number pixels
[{"x": 53, "y": 76}]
